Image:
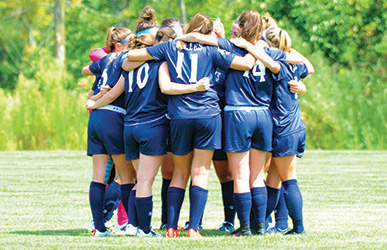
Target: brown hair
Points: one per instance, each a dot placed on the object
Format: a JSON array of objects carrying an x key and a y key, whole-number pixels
[
  {"x": 147, "y": 19},
  {"x": 268, "y": 21},
  {"x": 165, "y": 34},
  {"x": 251, "y": 24},
  {"x": 168, "y": 21},
  {"x": 200, "y": 23},
  {"x": 116, "y": 35},
  {"x": 278, "y": 38},
  {"x": 143, "y": 40}
]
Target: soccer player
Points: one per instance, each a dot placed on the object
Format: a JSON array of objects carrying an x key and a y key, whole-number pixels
[
  {"x": 195, "y": 118},
  {"x": 104, "y": 140},
  {"x": 289, "y": 131}
]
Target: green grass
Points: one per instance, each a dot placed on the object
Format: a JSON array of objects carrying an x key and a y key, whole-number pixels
[{"x": 44, "y": 205}]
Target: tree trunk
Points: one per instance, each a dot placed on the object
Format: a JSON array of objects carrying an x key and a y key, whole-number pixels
[
  {"x": 60, "y": 50},
  {"x": 183, "y": 17}
]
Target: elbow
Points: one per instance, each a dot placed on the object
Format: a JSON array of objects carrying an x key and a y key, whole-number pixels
[{"x": 275, "y": 69}]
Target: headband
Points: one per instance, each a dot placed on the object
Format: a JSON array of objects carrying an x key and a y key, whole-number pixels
[
  {"x": 175, "y": 25},
  {"x": 126, "y": 38},
  {"x": 150, "y": 31}
]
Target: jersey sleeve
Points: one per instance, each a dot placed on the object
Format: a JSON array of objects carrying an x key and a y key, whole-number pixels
[
  {"x": 96, "y": 68},
  {"x": 158, "y": 51},
  {"x": 303, "y": 70},
  {"x": 222, "y": 58},
  {"x": 276, "y": 54},
  {"x": 225, "y": 44}
]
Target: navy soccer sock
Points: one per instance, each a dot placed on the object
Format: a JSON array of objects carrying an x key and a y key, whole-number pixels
[
  {"x": 144, "y": 207},
  {"x": 259, "y": 198},
  {"x": 125, "y": 191},
  {"x": 273, "y": 195},
  {"x": 112, "y": 200},
  {"x": 164, "y": 191},
  {"x": 228, "y": 201},
  {"x": 293, "y": 200},
  {"x": 175, "y": 200},
  {"x": 132, "y": 210},
  {"x": 243, "y": 204},
  {"x": 281, "y": 212},
  {"x": 96, "y": 197},
  {"x": 198, "y": 200}
]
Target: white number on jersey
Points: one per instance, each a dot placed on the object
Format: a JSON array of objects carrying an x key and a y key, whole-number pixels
[
  {"x": 194, "y": 66},
  {"x": 261, "y": 72},
  {"x": 140, "y": 82}
]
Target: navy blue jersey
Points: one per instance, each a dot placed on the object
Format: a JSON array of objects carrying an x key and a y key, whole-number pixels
[
  {"x": 219, "y": 86},
  {"x": 187, "y": 66},
  {"x": 285, "y": 107},
  {"x": 249, "y": 88},
  {"x": 144, "y": 101},
  {"x": 109, "y": 70}
]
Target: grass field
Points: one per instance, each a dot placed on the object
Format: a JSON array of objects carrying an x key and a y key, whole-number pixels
[{"x": 44, "y": 205}]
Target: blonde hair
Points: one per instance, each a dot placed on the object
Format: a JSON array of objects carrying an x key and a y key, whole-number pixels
[
  {"x": 116, "y": 35},
  {"x": 277, "y": 38},
  {"x": 200, "y": 23},
  {"x": 147, "y": 19},
  {"x": 268, "y": 21},
  {"x": 219, "y": 28},
  {"x": 251, "y": 24}
]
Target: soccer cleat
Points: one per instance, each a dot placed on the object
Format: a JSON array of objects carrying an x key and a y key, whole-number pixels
[
  {"x": 191, "y": 233},
  {"x": 243, "y": 231},
  {"x": 107, "y": 233},
  {"x": 172, "y": 233},
  {"x": 227, "y": 227},
  {"x": 91, "y": 226},
  {"x": 163, "y": 227},
  {"x": 151, "y": 233},
  {"x": 119, "y": 229},
  {"x": 260, "y": 229},
  {"x": 273, "y": 230},
  {"x": 292, "y": 232},
  {"x": 180, "y": 228},
  {"x": 130, "y": 230}
]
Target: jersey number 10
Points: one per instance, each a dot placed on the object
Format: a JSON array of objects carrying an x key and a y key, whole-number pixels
[{"x": 140, "y": 82}]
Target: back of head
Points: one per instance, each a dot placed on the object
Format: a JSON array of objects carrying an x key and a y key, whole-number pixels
[
  {"x": 200, "y": 23},
  {"x": 143, "y": 40},
  {"x": 268, "y": 21},
  {"x": 251, "y": 24},
  {"x": 277, "y": 38},
  {"x": 165, "y": 34},
  {"x": 219, "y": 28},
  {"x": 147, "y": 19},
  {"x": 119, "y": 35},
  {"x": 169, "y": 21}
]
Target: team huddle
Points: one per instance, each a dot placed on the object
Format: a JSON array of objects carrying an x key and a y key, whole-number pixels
[{"x": 181, "y": 100}]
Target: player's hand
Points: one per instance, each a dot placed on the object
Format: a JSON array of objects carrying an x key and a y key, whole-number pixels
[
  {"x": 105, "y": 89},
  {"x": 293, "y": 86},
  {"x": 203, "y": 84},
  {"x": 90, "y": 104},
  {"x": 240, "y": 42}
]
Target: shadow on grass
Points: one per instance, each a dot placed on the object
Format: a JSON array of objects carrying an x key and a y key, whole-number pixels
[
  {"x": 207, "y": 233},
  {"x": 65, "y": 232}
]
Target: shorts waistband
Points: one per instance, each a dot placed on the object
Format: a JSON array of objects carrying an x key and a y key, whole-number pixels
[
  {"x": 246, "y": 108},
  {"x": 114, "y": 108}
]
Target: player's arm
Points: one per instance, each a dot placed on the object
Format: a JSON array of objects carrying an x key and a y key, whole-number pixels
[
  {"x": 195, "y": 37},
  {"x": 243, "y": 63},
  {"x": 86, "y": 70},
  {"x": 109, "y": 97},
  {"x": 298, "y": 87},
  {"x": 129, "y": 66},
  {"x": 102, "y": 92},
  {"x": 258, "y": 53},
  {"x": 295, "y": 55},
  {"x": 172, "y": 88},
  {"x": 137, "y": 55}
]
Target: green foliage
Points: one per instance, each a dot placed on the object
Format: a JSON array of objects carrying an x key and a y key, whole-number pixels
[
  {"x": 41, "y": 113},
  {"x": 346, "y": 41}
]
